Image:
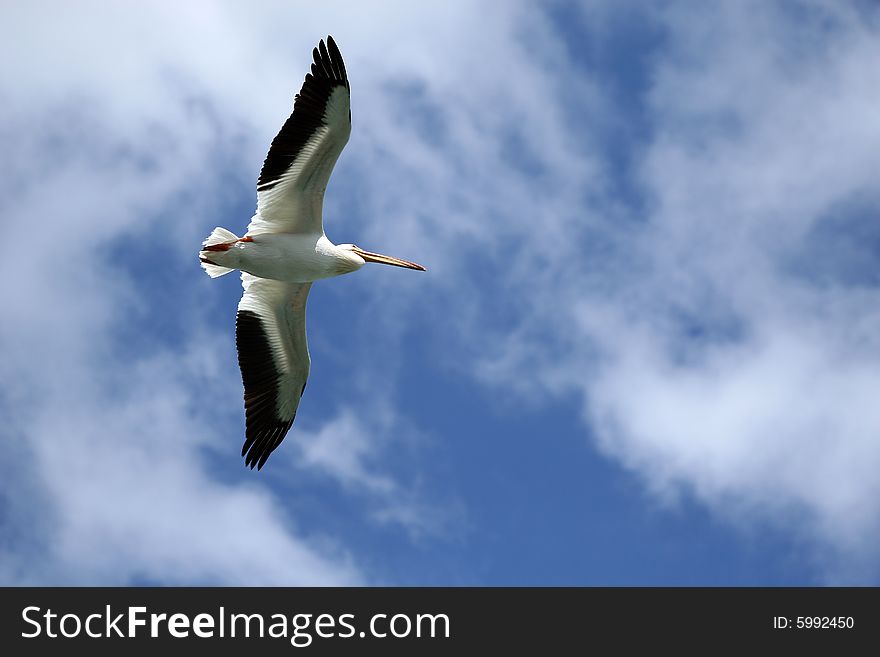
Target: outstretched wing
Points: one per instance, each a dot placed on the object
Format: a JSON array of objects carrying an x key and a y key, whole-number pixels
[
  {"x": 290, "y": 190},
  {"x": 270, "y": 334}
]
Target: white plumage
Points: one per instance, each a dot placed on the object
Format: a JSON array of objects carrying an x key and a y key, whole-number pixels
[{"x": 284, "y": 250}]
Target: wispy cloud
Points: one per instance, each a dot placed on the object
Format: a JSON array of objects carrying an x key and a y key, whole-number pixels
[
  {"x": 759, "y": 373},
  {"x": 350, "y": 448},
  {"x": 717, "y": 327},
  {"x": 110, "y": 386},
  {"x": 731, "y": 354},
  {"x": 119, "y": 393}
]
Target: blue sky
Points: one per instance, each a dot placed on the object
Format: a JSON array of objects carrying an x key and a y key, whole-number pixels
[{"x": 645, "y": 351}]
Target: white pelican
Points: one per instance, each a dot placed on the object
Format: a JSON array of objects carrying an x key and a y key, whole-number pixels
[{"x": 284, "y": 250}]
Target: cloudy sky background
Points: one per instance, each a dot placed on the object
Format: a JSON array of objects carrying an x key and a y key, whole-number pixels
[{"x": 646, "y": 350}]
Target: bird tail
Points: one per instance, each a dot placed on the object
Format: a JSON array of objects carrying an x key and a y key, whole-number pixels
[{"x": 213, "y": 246}]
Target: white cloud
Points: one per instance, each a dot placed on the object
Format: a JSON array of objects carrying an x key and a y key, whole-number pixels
[
  {"x": 112, "y": 442},
  {"x": 123, "y": 128},
  {"x": 350, "y": 448},
  {"x": 710, "y": 358},
  {"x": 117, "y": 459},
  {"x": 341, "y": 448},
  {"x": 716, "y": 362}
]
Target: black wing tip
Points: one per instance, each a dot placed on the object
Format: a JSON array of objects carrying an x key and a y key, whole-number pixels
[
  {"x": 331, "y": 48},
  {"x": 328, "y": 63},
  {"x": 326, "y": 73},
  {"x": 257, "y": 448},
  {"x": 264, "y": 429}
]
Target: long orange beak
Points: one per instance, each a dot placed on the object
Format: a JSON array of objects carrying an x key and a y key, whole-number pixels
[{"x": 386, "y": 260}]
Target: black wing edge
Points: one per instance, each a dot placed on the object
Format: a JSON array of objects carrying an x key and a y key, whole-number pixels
[
  {"x": 264, "y": 429},
  {"x": 328, "y": 72}
]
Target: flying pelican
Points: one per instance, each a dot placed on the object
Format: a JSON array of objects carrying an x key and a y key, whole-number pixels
[{"x": 284, "y": 250}]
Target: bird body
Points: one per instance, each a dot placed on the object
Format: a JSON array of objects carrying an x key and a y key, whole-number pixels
[
  {"x": 288, "y": 257},
  {"x": 284, "y": 250}
]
